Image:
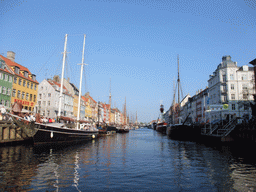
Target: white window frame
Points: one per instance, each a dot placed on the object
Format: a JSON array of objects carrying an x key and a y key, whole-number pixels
[
  {"x": 4, "y": 90},
  {"x": 8, "y": 91},
  {"x": 14, "y": 92},
  {"x": 5, "y": 77}
]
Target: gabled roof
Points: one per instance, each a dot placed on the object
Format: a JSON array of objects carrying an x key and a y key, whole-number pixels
[
  {"x": 54, "y": 83},
  {"x": 92, "y": 99},
  {"x": 11, "y": 63},
  {"x": 7, "y": 68}
]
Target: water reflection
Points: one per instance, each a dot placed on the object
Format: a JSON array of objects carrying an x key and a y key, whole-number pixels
[{"x": 141, "y": 160}]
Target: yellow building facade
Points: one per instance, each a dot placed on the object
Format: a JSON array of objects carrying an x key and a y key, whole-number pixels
[
  {"x": 75, "y": 105},
  {"x": 25, "y": 85}
]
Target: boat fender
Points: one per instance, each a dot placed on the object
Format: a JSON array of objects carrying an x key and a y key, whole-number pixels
[{"x": 51, "y": 134}]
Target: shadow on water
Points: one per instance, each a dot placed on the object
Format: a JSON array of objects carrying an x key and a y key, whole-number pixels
[{"x": 225, "y": 166}]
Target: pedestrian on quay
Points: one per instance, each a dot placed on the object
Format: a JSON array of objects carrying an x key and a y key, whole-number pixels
[
  {"x": 32, "y": 117},
  {"x": 27, "y": 117},
  {"x": 3, "y": 112}
]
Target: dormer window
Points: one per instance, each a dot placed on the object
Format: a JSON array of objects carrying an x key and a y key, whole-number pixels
[
  {"x": 17, "y": 70},
  {"x": 33, "y": 77},
  {"x": 25, "y": 74},
  {"x": 2, "y": 64}
]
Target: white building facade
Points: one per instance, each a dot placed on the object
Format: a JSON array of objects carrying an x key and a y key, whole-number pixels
[
  {"x": 231, "y": 85},
  {"x": 229, "y": 93},
  {"x": 48, "y": 99}
]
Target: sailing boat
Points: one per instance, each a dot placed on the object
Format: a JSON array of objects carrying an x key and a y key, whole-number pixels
[
  {"x": 60, "y": 133},
  {"x": 177, "y": 129}
]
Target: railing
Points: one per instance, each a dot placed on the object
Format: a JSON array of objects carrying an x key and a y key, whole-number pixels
[
  {"x": 227, "y": 128},
  {"x": 208, "y": 130}
]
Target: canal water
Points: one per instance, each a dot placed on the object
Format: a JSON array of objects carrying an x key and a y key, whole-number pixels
[{"x": 141, "y": 160}]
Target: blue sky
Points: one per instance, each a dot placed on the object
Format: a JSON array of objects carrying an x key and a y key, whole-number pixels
[{"x": 135, "y": 43}]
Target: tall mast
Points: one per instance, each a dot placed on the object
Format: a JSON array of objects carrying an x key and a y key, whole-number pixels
[
  {"x": 80, "y": 86},
  {"x": 125, "y": 112},
  {"x": 110, "y": 102},
  {"x": 110, "y": 94},
  {"x": 62, "y": 74},
  {"x": 178, "y": 81}
]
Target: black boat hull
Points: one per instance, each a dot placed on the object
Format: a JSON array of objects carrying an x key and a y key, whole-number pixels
[
  {"x": 184, "y": 132},
  {"x": 49, "y": 134}
]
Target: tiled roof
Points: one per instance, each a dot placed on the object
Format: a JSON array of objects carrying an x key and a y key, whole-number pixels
[
  {"x": 65, "y": 91},
  {"x": 7, "y": 69},
  {"x": 92, "y": 99},
  {"x": 11, "y": 63}
]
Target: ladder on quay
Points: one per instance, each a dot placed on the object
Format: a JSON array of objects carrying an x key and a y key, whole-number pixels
[{"x": 226, "y": 129}]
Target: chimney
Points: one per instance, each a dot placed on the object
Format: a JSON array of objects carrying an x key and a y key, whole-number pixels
[{"x": 11, "y": 55}]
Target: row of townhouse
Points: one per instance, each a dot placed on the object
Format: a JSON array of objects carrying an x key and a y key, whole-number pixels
[
  {"x": 228, "y": 94},
  {"x": 17, "y": 83},
  {"x": 90, "y": 110}
]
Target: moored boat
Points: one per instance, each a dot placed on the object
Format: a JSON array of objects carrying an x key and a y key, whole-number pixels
[
  {"x": 161, "y": 127},
  {"x": 61, "y": 132},
  {"x": 122, "y": 130},
  {"x": 183, "y": 132}
]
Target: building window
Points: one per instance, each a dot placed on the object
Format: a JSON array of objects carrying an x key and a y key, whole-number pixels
[
  {"x": 35, "y": 87},
  {"x": 44, "y": 103},
  {"x": 224, "y": 98},
  {"x": 49, "y": 94},
  {"x": 244, "y": 86},
  {"x": 20, "y": 81},
  {"x": 17, "y": 70},
  {"x": 30, "y": 97},
  {"x": 49, "y": 103},
  {"x": 1, "y": 75},
  {"x": 244, "y": 77},
  {"x": 31, "y": 86},
  {"x": 224, "y": 78},
  {"x": 5, "y": 77},
  {"x": 40, "y": 96},
  {"x": 232, "y": 86},
  {"x": 231, "y": 76},
  {"x": 27, "y": 96},
  {"x": 7, "y": 104},
  {"x": 48, "y": 113},
  {"x": 18, "y": 94},
  {"x": 245, "y": 96},
  {"x": 26, "y": 74},
  {"x": 2, "y": 102},
  {"x": 24, "y": 83},
  {"x": 10, "y": 79},
  {"x": 0, "y": 89},
  {"x": 224, "y": 88},
  {"x": 4, "y": 90},
  {"x": 15, "y": 79},
  {"x": 28, "y": 85},
  {"x": 14, "y": 92},
  {"x": 23, "y": 95},
  {"x": 34, "y": 98},
  {"x": 233, "y": 107},
  {"x": 233, "y": 97},
  {"x": 8, "y": 91},
  {"x": 39, "y": 103}
]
